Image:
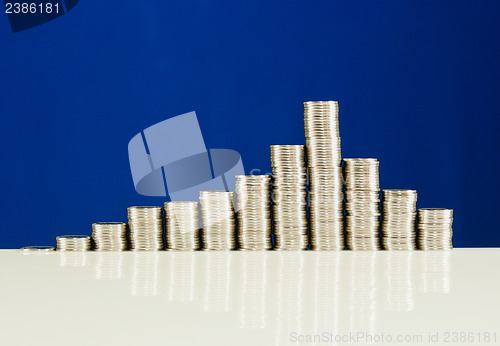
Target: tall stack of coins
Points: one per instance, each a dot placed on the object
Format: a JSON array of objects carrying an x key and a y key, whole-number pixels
[
  {"x": 326, "y": 215},
  {"x": 399, "y": 211},
  {"x": 289, "y": 197},
  {"x": 146, "y": 228},
  {"x": 254, "y": 215},
  {"x": 362, "y": 204},
  {"x": 435, "y": 229},
  {"x": 73, "y": 243},
  {"x": 182, "y": 225},
  {"x": 217, "y": 211},
  {"x": 109, "y": 236}
]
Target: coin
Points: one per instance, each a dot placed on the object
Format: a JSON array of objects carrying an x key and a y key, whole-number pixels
[
  {"x": 219, "y": 227},
  {"x": 109, "y": 236},
  {"x": 73, "y": 243},
  {"x": 182, "y": 223},
  {"x": 289, "y": 197},
  {"x": 326, "y": 215},
  {"x": 146, "y": 228},
  {"x": 398, "y": 219},
  {"x": 362, "y": 203},
  {"x": 435, "y": 230},
  {"x": 254, "y": 215}
]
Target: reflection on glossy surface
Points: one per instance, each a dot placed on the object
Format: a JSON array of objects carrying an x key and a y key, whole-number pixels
[
  {"x": 399, "y": 281},
  {"x": 290, "y": 313},
  {"x": 253, "y": 307},
  {"x": 247, "y": 298},
  {"x": 363, "y": 291},
  {"x": 181, "y": 277},
  {"x": 217, "y": 286},
  {"x": 436, "y": 272},
  {"x": 109, "y": 266},
  {"x": 145, "y": 274},
  {"x": 73, "y": 258}
]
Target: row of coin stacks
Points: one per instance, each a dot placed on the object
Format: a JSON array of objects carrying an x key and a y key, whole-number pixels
[{"x": 316, "y": 202}]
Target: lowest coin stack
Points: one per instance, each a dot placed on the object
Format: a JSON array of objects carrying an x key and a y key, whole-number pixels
[
  {"x": 435, "y": 228},
  {"x": 326, "y": 215},
  {"x": 146, "y": 228},
  {"x": 254, "y": 216},
  {"x": 399, "y": 211},
  {"x": 182, "y": 225},
  {"x": 289, "y": 197},
  {"x": 362, "y": 204},
  {"x": 217, "y": 212},
  {"x": 73, "y": 243},
  {"x": 109, "y": 236}
]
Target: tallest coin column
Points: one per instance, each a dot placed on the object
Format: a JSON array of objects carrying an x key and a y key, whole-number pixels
[{"x": 326, "y": 216}]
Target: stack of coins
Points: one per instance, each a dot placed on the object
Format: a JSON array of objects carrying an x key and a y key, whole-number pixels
[
  {"x": 435, "y": 229},
  {"x": 182, "y": 225},
  {"x": 399, "y": 211},
  {"x": 289, "y": 197},
  {"x": 73, "y": 243},
  {"x": 217, "y": 212},
  {"x": 146, "y": 228},
  {"x": 326, "y": 215},
  {"x": 254, "y": 214},
  {"x": 362, "y": 204},
  {"x": 109, "y": 236}
]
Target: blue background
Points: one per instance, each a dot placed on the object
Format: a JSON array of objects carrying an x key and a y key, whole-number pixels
[{"x": 417, "y": 81}]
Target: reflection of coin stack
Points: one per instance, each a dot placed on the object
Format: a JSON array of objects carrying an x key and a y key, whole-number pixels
[
  {"x": 289, "y": 197},
  {"x": 435, "y": 229},
  {"x": 182, "y": 225},
  {"x": 253, "y": 294},
  {"x": 73, "y": 243},
  {"x": 217, "y": 211},
  {"x": 254, "y": 215},
  {"x": 181, "y": 281},
  {"x": 362, "y": 204},
  {"x": 145, "y": 274},
  {"x": 327, "y": 271},
  {"x": 325, "y": 175},
  {"x": 109, "y": 236},
  {"x": 399, "y": 281},
  {"x": 73, "y": 259},
  {"x": 290, "y": 310},
  {"x": 363, "y": 292},
  {"x": 217, "y": 287},
  {"x": 436, "y": 272},
  {"x": 146, "y": 228},
  {"x": 109, "y": 266},
  {"x": 398, "y": 219}
]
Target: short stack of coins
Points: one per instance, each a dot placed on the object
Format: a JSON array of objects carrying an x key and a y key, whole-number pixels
[
  {"x": 435, "y": 229},
  {"x": 253, "y": 212},
  {"x": 73, "y": 243},
  {"x": 219, "y": 226},
  {"x": 362, "y": 204},
  {"x": 289, "y": 196},
  {"x": 399, "y": 212},
  {"x": 109, "y": 236},
  {"x": 146, "y": 228},
  {"x": 326, "y": 215},
  {"x": 182, "y": 225}
]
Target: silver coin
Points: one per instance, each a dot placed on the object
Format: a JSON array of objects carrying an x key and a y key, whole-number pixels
[
  {"x": 146, "y": 228},
  {"x": 74, "y": 243}
]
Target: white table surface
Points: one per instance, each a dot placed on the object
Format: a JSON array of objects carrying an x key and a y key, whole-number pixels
[{"x": 242, "y": 298}]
